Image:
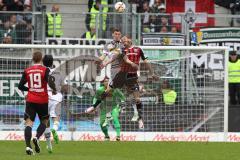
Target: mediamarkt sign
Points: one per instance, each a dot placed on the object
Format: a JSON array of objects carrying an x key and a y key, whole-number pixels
[{"x": 136, "y": 136}]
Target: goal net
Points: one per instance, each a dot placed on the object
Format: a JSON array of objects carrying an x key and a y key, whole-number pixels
[{"x": 190, "y": 95}]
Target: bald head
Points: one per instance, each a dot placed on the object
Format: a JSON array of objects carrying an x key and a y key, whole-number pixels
[
  {"x": 55, "y": 8},
  {"x": 127, "y": 41}
]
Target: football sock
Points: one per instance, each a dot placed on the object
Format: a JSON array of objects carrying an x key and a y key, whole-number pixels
[
  {"x": 40, "y": 130},
  {"x": 28, "y": 135},
  {"x": 55, "y": 125},
  {"x": 139, "y": 109},
  {"x": 105, "y": 131},
  {"x": 116, "y": 123},
  {"x": 47, "y": 135}
]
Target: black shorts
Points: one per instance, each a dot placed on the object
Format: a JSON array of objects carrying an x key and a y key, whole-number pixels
[
  {"x": 34, "y": 108},
  {"x": 130, "y": 80}
]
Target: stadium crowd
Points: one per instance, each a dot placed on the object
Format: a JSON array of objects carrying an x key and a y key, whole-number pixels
[
  {"x": 16, "y": 25},
  {"x": 154, "y": 17}
]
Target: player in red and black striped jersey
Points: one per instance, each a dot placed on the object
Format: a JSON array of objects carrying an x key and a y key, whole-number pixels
[
  {"x": 36, "y": 77},
  {"x": 128, "y": 75}
]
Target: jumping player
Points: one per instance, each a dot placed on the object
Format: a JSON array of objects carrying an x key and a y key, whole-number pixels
[
  {"x": 128, "y": 75},
  {"x": 113, "y": 51}
]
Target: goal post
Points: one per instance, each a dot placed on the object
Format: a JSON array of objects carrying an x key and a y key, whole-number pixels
[{"x": 197, "y": 74}]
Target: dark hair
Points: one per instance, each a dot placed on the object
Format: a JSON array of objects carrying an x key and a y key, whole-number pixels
[
  {"x": 98, "y": 1},
  {"x": 37, "y": 57},
  {"x": 48, "y": 60},
  {"x": 167, "y": 83},
  {"x": 232, "y": 52},
  {"x": 115, "y": 30}
]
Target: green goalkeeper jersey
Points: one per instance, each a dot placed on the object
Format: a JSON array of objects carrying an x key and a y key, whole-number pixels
[{"x": 112, "y": 100}]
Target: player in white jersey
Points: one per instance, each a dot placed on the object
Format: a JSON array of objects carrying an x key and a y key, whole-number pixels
[
  {"x": 54, "y": 104},
  {"x": 113, "y": 52}
]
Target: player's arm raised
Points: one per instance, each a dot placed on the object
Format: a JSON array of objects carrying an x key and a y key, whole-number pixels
[
  {"x": 149, "y": 66},
  {"x": 104, "y": 54}
]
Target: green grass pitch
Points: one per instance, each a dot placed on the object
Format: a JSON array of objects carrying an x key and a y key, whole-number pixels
[{"x": 15, "y": 150}]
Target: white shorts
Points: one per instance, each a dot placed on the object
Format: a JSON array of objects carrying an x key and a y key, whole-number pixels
[{"x": 54, "y": 108}]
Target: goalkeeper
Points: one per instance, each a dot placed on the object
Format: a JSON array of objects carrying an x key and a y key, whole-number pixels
[{"x": 110, "y": 104}]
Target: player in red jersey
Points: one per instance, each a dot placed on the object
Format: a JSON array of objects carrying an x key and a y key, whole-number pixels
[
  {"x": 128, "y": 75},
  {"x": 36, "y": 77}
]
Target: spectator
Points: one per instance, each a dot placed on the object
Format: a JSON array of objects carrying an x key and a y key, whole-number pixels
[
  {"x": 27, "y": 16},
  {"x": 157, "y": 6},
  {"x": 7, "y": 40},
  {"x": 164, "y": 29},
  {"x": 234, "y": 78},
  {"x": 13, "y": 20},
  {"x": 4, "y": 8},
  {"x": 7, "y": 30},
  {"x": 146, "y": 17},
  {"x": 91, "y": 3},
  {"x": 1, "y": 4},
  {"x": 154, "y": 24},
  {"x": 54, "y": 23},
  {"x": 174, "y": 29},
  {"x": 162, "y": 8},
  {"x": 89, "y": 35},
  {"x": 139, "y": 4},
  {"x": 24, "y": 25},
  {"x": 14, "y": 5},
  {"x": 24, "y": 33},
  {"x": 4, "y": 16},
  {"x": 91, "y": 18},
  {"x": 28, "y": 3},
  {"x": 164, "y": 21},
  {"x": 169, "y": 95},
  {"x": 151, "y": 2}
]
